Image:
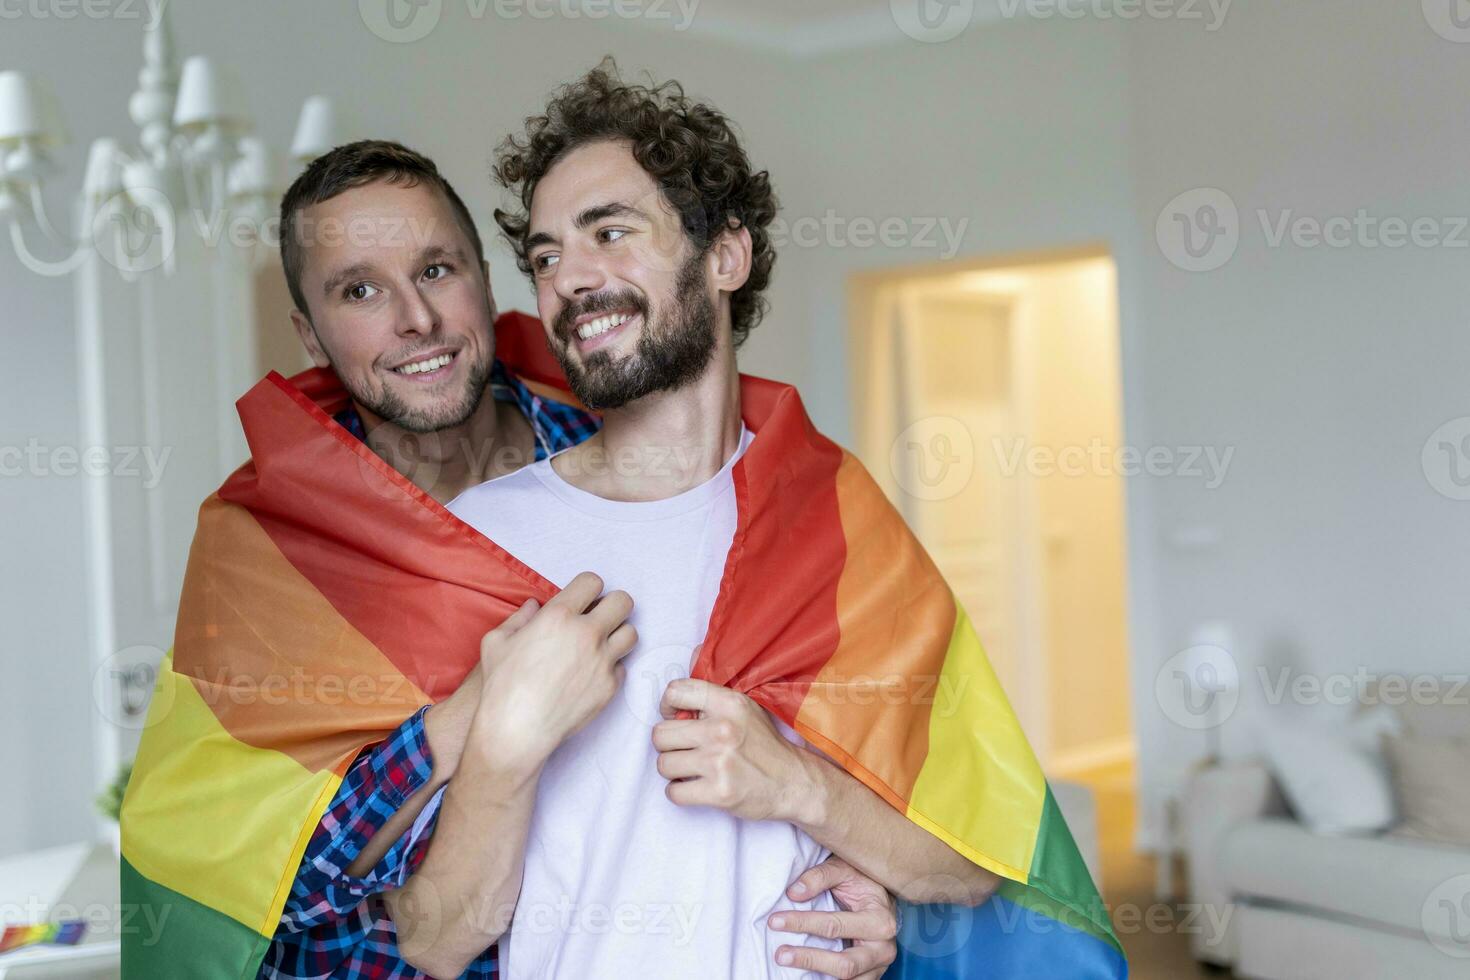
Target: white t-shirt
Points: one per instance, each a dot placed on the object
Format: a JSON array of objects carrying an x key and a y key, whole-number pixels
[{"x": 619, "y": 882}]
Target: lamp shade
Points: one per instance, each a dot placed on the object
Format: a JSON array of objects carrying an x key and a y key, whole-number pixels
[
  {"x": 208, "y": 95},
  {"x": 251, "y": 174},
  {"x": 29, "y": 111},
  {"x": 316, "y": 130},
  {"x": 104, "y": 170}
]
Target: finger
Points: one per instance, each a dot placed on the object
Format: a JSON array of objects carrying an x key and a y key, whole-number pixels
[
  {"x": 846, "y": 964},
  {"x": 611, "y": 611},
  {"x": 621, "y": 642},
  {"x": 670, "y": 736},
  {"x": 520, "y": 617},
  {"x": 690, "y": 792},
  {"x": 511, "y": 625},
  {"x": 688, "y": 694},
  {"x": 580, "y": 593},
  {"x": 680, "y": 765},
  {"x": 824, "y": 877},
  {"x": 872, "y": 926}
]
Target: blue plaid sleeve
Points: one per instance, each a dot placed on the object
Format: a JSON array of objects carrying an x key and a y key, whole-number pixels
[{"x": 334, "y": 924}]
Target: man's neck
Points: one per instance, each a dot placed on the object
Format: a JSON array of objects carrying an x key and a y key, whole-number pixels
[
  {"x": 664, "y": 444},
  {"x": 495, "y": 440}
]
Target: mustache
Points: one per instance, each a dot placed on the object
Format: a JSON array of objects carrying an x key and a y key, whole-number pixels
[{"x": 605, "y": 302}]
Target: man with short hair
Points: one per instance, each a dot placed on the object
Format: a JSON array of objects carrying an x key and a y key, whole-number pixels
[{"x": 392, "y": 293}]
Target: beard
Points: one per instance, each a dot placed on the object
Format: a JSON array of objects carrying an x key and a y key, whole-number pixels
[
  {"x": 671, "y": 353},
  {"x": 454, "y": 409}
]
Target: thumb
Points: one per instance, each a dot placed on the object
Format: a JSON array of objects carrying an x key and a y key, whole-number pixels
[{"x": 820, "y": 878}]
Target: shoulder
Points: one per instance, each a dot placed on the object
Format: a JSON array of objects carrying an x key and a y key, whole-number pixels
[{"x": 501, "y": 493}]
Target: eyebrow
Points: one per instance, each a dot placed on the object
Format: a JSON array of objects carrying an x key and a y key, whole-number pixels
[
  {"x": 587, "y": 217},
  {"x": 431, "y": 253}
]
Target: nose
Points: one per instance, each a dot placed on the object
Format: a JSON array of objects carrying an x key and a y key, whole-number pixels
[
  {"x": 417, "y": 315},
  {"x": 578, "y": 272}
]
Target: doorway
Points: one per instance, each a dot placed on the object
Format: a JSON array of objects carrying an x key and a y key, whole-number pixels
[{"x": 988, "y": 404}]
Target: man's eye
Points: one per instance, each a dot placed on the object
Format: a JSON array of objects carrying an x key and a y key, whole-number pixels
[
  {"x": 611, "y": 234},
  {"x": 544, "y": 261},
  {"x": 437, "y": 271},
  {"x": 360, "y": 291}
]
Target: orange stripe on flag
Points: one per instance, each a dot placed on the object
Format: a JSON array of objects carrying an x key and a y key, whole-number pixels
[{"x": 248, "y": 621}]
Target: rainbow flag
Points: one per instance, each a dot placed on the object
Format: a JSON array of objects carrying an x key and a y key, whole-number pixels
[
  {"x": 67, "y": 932},
  {"x": 327, "y": 598}
]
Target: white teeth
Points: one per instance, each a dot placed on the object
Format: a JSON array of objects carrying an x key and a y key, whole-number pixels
[
  {"x": 602, "y": 325},
  {"x": 421, "y": 367}
]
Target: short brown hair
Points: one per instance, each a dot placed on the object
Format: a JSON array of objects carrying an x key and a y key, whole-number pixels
[
  {"x": 690, "y": 149},
  {"x": 356, "y": 165}
]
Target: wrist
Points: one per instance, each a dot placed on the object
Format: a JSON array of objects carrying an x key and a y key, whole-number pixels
[
  {"x": 511, "y": 751},
  {"x": 444, "y": 736},
  {"x": 809, "y": 795}
]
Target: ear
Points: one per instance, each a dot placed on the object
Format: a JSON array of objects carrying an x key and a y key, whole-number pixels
[
  {"x": 730, "y": 258},
  {"x": 309, "y": 339}
]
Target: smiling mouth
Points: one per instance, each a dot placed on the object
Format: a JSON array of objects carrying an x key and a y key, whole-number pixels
[
  {"x": 601, "y": 325},
  {"x": 428, "y": 366}
]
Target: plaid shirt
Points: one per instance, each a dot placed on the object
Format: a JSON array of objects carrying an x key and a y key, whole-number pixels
[{"x": 334, "y": 924}]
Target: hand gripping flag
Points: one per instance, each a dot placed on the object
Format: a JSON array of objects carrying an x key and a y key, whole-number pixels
[{"x": 327, "y": 598}]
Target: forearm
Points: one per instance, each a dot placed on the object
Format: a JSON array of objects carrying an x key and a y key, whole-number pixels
[
  {"x": 462, "y": 897},
  {"x": 446, "y": 727},
  {"x": 854, "y": 823}
]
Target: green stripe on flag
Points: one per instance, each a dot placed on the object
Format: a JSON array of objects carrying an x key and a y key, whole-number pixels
[
  {"x": 166, "y": 935},
  {"x": 1066, "y": 890}
]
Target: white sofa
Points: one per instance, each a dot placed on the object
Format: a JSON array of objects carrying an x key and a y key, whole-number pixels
[{"x": 1294, "y": 905}]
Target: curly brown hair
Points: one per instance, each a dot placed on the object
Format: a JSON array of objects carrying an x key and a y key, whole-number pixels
[{"x": 690, "y": 149}]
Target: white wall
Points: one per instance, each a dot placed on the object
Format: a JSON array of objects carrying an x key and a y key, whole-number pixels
[
  {"x": 452, "y": 95},
  {"x": 1325, "y": 369}
]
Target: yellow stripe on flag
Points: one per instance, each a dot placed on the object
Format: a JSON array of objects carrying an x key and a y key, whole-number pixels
[
  {"x": 215, "y": 819},
  {"x": 981, "y": 789}
]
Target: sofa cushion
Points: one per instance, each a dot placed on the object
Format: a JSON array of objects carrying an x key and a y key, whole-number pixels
[
  {"x": 1383, "y": 880},
  {"x": 1432, "y": 780}
]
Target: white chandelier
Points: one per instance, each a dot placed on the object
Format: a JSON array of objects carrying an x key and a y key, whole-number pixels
[{"x": 195, "y": 158}]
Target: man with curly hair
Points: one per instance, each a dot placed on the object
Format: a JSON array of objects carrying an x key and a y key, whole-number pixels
[{"x": 645, "y": 234}]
